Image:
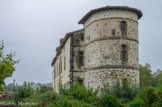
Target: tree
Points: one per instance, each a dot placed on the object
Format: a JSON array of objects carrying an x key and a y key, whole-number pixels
[
  {"x": 158, "y": 78},
  {"x": 146, "y": 77},
  {"x": 6, "y": 65}
]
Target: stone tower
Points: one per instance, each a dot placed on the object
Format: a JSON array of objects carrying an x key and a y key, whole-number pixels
[{"x": 111, "y": 45}]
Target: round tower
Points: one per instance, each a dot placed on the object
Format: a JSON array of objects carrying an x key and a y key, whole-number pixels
[{"x": 111, "y": 45}]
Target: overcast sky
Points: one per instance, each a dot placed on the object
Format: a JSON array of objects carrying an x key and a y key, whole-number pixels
[{"x": 33, "y": 28}]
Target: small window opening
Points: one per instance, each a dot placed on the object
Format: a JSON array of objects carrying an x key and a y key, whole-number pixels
[
  {"x": 80, "y": 81},
  {"x": 81, "y": 58},
  {"x": 65, "y": 63},
  {"x": 113, "y": 31},
  {"x": 124, "y": 53},
  {"x": 82, "y": 37},
  {"x": 60, "y": 66},
  {"x": 77, "y": 41},
  {"x": 123, "y": 26},
  {"x": 58, "y": 70},
  {"x": 57, "y": 86},
  {"x": 55, "y": 73}
]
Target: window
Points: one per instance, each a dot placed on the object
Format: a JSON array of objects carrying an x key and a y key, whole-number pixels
[
  {"x": 60, "y": 66},
  {"x": 77, "y": 42},
  {"x": 123, "y": 27},
  {"x": 80, "y": 58},
  {"x": 54, "y": 85},
  {"x": 113, "y": 31},
  {"x": 57, "y": 86},
  {"x": 60, "y": 81},
  {"x": 124, "y": 52},
  {"x": 82, "y": 37},
  {"x": 80, "y": 81},
  {"x": 57, "y": 70},
  {"x": 65, "y": 63},
  {"x": 55, "y": 73}
]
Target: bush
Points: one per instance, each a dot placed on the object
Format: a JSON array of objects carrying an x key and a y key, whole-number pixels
[
  {"x": 23, "y": 92},
  {"x": 125, "y": 91},
  {"x": 137, "y": 102},
  {"x": 43, "y": 99},
  {"x": 108, "y": 101},
  {"x": 80, "y": 92},
  {"x": 150, "y": 97},
  {"x": 69, "y": 103}
]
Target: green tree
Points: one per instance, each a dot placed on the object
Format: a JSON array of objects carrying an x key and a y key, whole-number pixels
[
  {"x": 158, "y": 78},
  {"x": 6, "y": 65},
  {"x": 146, "y": 77}
]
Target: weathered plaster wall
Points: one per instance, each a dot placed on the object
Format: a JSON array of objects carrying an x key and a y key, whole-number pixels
[
  {"x": 103, "y": 41},
  {"x": 62, "y": 77}
]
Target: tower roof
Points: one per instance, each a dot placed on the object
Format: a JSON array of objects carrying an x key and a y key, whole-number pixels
[{"x": 138, "y": 12}]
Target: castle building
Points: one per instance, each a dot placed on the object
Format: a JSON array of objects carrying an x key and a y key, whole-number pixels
[{"x": 105, "y": 50}]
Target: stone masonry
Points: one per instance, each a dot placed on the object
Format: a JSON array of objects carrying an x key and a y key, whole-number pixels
[{"x": 106, "y": 49}]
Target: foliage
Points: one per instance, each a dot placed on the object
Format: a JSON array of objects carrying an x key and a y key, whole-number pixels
[
  {"x": 120, "y": 94},
  {"x": 80, "y": 92},
  {"x": 69, "y": 103},
  {"x": 52, "y": 99},
  {"x": 148, "y": 97},
  {"x": 146, "y": 76},
  {"x": 157, "y": 78},
  {"x": 125, "y": 90},
  {"x": 23, "y": 92},
  {"x": 6, "y": 65},
  {"x": 46, "y": 98},
  {"x": 108, "y": 101},
  {"x": 44, "y": 88},
  {"x": 10, "y": 87}
]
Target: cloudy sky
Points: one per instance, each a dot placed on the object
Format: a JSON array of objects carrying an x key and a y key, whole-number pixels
[{"x": 33, "y": 28}]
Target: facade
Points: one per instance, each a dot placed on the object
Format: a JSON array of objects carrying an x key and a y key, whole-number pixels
[{"x": 105, "y": 50}]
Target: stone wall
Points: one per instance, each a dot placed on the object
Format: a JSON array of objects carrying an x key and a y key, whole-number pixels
[
  {"x": 96, "y": 78},
  {"x": 62, "y": 66},
  {"x": 78, "y": 70},
  {"x": 103, "y": 47}
]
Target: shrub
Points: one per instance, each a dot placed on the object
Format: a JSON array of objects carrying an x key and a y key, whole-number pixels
[
  {"x": 23, "y": 92},
  {"x": 137, "y": 102},
  {"x": 80, "y": 92},
  {"x": 69, "y": 103},
  {"x": 43, "y": 99},
  {"x": 108, "y": 101},
  {"x": 150, "y": 97},
  {"x": 126, "y": 90}
]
